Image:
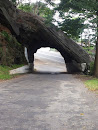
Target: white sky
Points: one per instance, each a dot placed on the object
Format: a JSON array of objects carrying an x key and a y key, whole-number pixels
[{"x": 33, "y": 1}]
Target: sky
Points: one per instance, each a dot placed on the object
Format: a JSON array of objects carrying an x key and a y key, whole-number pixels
[{"x": 33, "y": 1}]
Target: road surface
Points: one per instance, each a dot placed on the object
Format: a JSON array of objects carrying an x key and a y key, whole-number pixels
[{"x": 47, "y": 101}]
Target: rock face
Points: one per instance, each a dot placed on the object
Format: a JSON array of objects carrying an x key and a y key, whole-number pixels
[
  {"x": 31, "y": 31},
  {"x": 11, "y": 52}
]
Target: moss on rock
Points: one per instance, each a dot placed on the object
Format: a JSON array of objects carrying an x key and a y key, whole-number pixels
[{"x": 11, "y": 51}]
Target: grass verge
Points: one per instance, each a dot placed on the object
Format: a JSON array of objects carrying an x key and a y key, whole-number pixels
[
  {"x": 4, "y": 71},
  {"x": 92, "y": 84}
]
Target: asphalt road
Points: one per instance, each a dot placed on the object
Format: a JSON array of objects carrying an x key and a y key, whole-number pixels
[{"x": 47, "y": 101}]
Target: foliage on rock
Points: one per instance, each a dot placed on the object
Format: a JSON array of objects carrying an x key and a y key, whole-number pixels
[{"x": 11, "y": 52}]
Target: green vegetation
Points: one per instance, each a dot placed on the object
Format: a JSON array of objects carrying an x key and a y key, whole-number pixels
[
  {"x": 4, "y": 71},
  {"x": 11, "y": 51},
  {"x": 90, "y": 50},
  {"x": 91, "y": 68},
  {"x": 40, "y": 9},
  {"x": 26, "y": 7},
  {"x": 86, "y": 10},
  {"x": 73, "y": 27},
  {"x": 92, "y": 84}
]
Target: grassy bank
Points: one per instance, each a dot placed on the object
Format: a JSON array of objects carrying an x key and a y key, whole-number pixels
[
  {"x": 92, "y": 84},
  {"x": 4, "y": 71}
]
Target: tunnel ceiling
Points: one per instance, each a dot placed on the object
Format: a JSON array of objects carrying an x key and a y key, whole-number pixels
[{"x": 31, "y": 31}]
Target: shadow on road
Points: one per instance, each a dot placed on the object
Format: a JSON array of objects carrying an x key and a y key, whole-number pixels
[{"x": 51, "y": 73}]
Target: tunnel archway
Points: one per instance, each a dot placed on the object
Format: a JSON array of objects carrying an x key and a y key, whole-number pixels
[
  {"x": 71, "y": 66},
  {"x": 48, "y": 60},
  {"x": 31, "y": 31}
]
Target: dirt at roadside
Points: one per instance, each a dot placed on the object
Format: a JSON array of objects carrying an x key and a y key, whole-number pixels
[{"x": 83, "y": 77}]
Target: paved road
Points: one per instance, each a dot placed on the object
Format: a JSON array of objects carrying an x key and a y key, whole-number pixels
[{"x": 47, "y": 102}]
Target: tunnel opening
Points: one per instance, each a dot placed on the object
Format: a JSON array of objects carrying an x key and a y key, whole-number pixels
[
  {"x": 46, "y": 60},
  {"x": 50, "y": 60}
]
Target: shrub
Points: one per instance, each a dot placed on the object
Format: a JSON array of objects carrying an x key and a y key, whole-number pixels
[{"x": 91, "y": 68}]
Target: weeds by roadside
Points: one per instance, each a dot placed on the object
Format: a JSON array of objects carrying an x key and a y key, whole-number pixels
[
  {"x": 4, "y": 71},
  {"x": 92, "y": 84}
]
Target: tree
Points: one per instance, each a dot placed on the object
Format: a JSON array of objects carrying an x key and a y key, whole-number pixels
[
  {"x": 96, "y": 57},
  {"x": 26, "y": 7},
  {"x": 17, "y": 2},
  {"x": 40, "y": 9},
  {"x": 73, "y": 27},
  {"x": 88, "y": 9}
]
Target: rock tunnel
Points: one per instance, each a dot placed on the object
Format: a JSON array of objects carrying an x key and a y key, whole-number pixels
[{"x": 30, "y": 30}]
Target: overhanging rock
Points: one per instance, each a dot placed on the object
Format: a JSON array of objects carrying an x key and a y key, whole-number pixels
[{"x": 31, "y": 31}]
